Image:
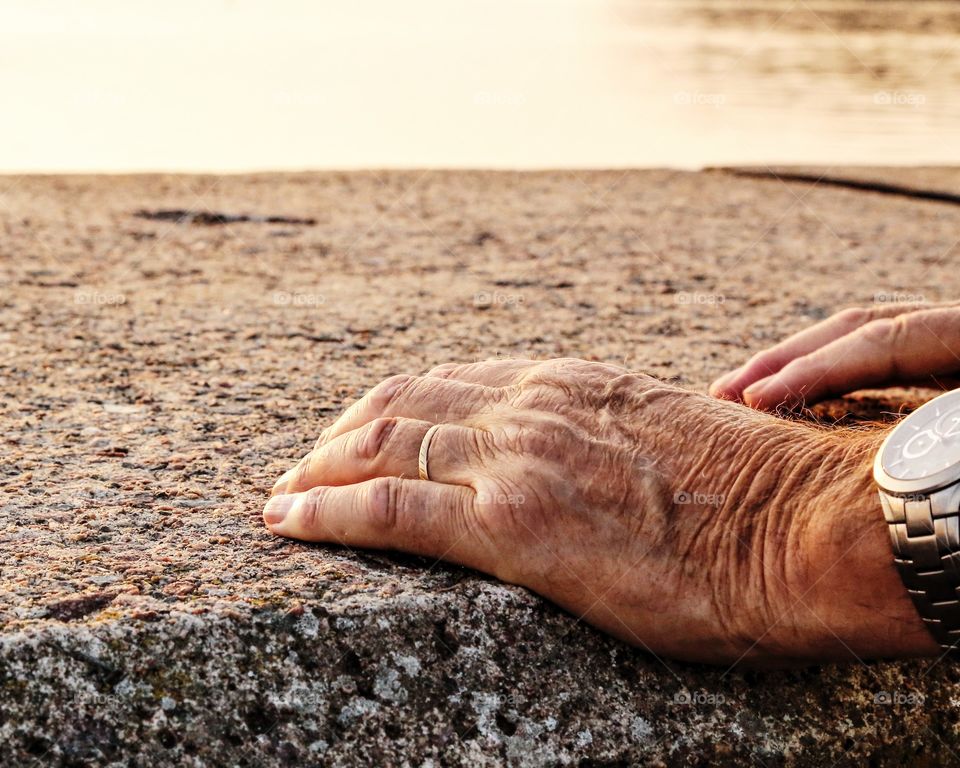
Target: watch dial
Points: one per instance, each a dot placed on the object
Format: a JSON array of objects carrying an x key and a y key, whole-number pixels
[{"x": 926, "y": 442}]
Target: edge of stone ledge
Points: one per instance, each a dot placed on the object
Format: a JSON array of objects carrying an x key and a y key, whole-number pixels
[{"x": 481, "y": 674}]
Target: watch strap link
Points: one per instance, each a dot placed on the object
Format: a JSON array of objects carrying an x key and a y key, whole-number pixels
[{"x": 927, "y": 556}]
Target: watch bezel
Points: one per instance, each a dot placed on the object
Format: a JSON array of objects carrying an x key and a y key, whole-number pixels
[{"x": 943, "y": 478}]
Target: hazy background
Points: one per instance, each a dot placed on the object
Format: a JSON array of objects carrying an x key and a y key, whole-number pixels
[{"x": 230, "y": 85}]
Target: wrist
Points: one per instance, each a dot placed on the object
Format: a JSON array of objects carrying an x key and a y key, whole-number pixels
[
  {"x": 803, "y": 555},
  {"x": 784, "y": 521},
  {"x": 853, "y": 599}
]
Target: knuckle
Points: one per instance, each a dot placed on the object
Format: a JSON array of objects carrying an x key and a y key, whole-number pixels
[
  {"x": 499, "y": 507},
  {"x": 552, "y": 439},
  {"x": 854, "y": 317},
  {"x": 301, "y": 473},
  {"x": 323, "y": 438},
  {"x": 539, "y": 372},
  {"x": 384, "y": 504},
  {"x": 389, "y": 391},
  {"x": 572, "y": 363},
  {"x": 478, "y": 446},
  {"x": 491, "y": 498},
  {"x": 556, "y": 383},
  {"x": 482, "y": 443},
  {"x": 576, "y": 366},
  {"x": 375, "y": 436},
  {"x": 765, "y": 361},
  {"x": 539, "y": 395},
  {"x": 311, "y": 510},
  {"x": 445, "y": 371},
  {"x": 531, "y": 442},
  {"x": 885, "y": 332},
  {"x": 796, "y": 375}
]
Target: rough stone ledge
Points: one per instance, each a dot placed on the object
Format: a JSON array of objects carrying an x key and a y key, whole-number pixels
[
  {"x": 156, "y": 376},
  {"x": 481, "y": 674}
]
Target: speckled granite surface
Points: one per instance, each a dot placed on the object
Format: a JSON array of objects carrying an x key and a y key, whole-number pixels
[{"x": 158, "y": 375}]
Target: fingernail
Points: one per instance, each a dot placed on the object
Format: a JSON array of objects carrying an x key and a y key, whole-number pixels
[
  {"x": 277, "y": 508},
  {"x": 721, "y": 381},
  {"x": 719, "y": 390},
  {"x": 721, "y": 386},
  {"x": 281, "y": 484},
  {"x": 768, "y": 395},
  {"x": 754, "y": 393}
]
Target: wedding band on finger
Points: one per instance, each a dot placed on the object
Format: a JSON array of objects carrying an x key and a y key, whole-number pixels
[{"x": 425, "y": 451}]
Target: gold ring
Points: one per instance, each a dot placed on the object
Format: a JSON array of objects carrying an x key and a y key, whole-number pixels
[{"x": 424, "y": 450}]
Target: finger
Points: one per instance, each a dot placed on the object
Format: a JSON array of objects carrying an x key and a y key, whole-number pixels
[
  {"x": 492, "y": 373},
  {"x": 416, "y": 516},
  {"x": 415, "y": 397},
  {"x": 769, "y": 361},
  {"x": 882, "y": 352},
  {"x": 387, "y": 447}
]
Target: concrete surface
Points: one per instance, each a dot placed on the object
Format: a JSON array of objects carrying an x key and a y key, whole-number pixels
[{"x": 158, "y": 375}]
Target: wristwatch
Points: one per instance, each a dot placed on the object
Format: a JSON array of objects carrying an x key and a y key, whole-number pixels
[{"x": 917, "y": 470}]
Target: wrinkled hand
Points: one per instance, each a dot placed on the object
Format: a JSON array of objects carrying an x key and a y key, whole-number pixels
[
  {"x": 660, "y": 516},
  {"x": 853, "y": 349}
]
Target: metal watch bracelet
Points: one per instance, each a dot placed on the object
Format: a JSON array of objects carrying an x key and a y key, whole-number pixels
[{"x": 926, "y": 546}]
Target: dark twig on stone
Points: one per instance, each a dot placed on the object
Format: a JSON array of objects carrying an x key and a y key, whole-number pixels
[{"x": 214, "y": 218}]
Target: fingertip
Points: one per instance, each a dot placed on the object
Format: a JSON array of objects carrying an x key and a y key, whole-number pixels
[
  {"x": 281, "y": 485},
  {"x": 756, "y": 395},
  {"x": 277, "y": 508},
  {"x": 726, "y": 387},
  {"x": 720, "y": 391},
  {"x": 768, "y": 395}
]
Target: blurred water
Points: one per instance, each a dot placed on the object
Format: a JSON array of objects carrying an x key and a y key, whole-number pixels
[{"x": 239, "y": 84}]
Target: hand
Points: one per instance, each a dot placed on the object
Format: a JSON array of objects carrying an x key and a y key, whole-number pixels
[
  {"x": 688, "y": 526},
  {"x": 853, "y": 349}
]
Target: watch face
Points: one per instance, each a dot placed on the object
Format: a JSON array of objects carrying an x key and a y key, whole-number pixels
[{"x": 927, "y": 442}]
